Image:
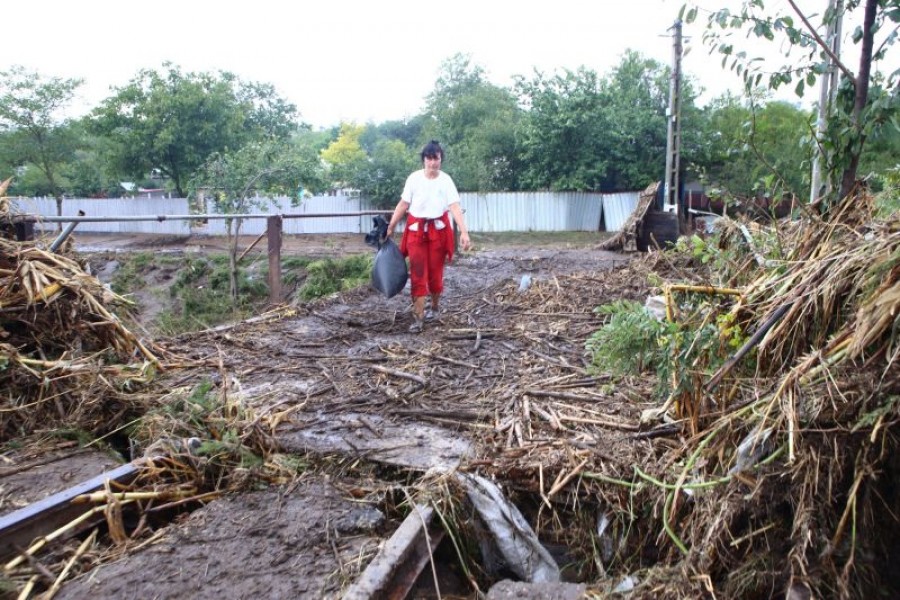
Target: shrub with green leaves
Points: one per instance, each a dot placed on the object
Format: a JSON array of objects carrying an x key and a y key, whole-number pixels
[
  {"x": 634, "y": 341},
  {"x": 201, "y": 290},
  {"x": 200, "y": 293},
  {"x": 629, "y": 343},
  {"x": 226, "y": 437}
]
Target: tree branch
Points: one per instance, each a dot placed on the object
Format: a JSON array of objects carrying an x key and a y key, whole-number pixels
[
  {"x": 885, "y": 42},
  {"x": 823, "y": 44}
]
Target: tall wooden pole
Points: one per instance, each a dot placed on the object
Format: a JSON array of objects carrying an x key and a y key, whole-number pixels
[
  {"x": 273, "y": 229},
  {"x": 673, "y": 134}
]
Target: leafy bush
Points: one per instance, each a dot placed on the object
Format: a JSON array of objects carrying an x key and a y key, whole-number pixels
[
  {"x": 200, "y": 293},
  {"x": 634, "y": 341},
  {"x": 630, "y": 342}
]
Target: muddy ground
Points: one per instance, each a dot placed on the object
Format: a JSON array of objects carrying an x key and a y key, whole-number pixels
[{"x": 500, "y": 385}]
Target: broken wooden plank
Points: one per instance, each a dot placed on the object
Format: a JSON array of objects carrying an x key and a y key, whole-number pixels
[
  {"x": 19, "y": 528},
  {"x": 394, "y": 571}
]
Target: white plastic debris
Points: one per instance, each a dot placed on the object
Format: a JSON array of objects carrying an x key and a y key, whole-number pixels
[
  {"x": 524, "y": 283},
  {"x": 656, "y": 306},
  {"x": 626, "y": 585},
  {"x": 751, "y": 449},
  {"x": 516, "y": 541},
  {"x": 605, "y": 538}
]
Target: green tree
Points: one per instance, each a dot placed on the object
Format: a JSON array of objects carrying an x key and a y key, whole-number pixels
[
  {"x": 856, "y": 114},
  {"x": 584, "y": 132},
  {"x": 635, "y": 99},
  {"x": 308, "y": 142},
  {"x": 881, "y": 153},
  {"x": 174, "y": 121},
  {"x": 757, "y": 150},
  {"x": 410, "y": 132},
  {"x": 476, "y": 123},
  {"x": 381, "y": 178},
  {"x": 562, "y": 141},
  {"x": 240, "y": 180},
  {"x": 88, "y": 172},
  {"x": 345, "y": 156},
  {"x": 36, "y": 134}
]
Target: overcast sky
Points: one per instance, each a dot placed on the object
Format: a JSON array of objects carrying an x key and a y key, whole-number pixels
[{"x": 346, "y": 60}]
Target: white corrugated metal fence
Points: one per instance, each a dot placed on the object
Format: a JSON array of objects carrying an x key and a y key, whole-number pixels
[{"x": 494, "y": 212}]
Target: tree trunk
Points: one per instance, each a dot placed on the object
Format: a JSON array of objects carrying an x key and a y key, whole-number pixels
[
  {"x": 57, "y": 191},
  {"x": 232, "y": 260},
  {"x": 855, "y": 145}
]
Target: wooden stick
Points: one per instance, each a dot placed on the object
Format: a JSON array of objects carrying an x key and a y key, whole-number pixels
[
  {"x": 705, "y": 289},
  {"x": 541, "y": 484},
  {"x": 546, "y": 416},
  {"x": 62, "y": 576},
  {"x": 446, "y": 359},
  {"x": 604, "y": 423},
  {"x": 755, "y": 339},
  {"x": 25, "y": 594},
  {"x": 402, "y": 374},
  {"x": 526, "y": 416},
  {"x": 565, "y": 480},
  {"x": 562, "y": 395},
  {"x": 101, "y": 496},
  {"x": 199, "y": 498},
  {"x": 251, "y": 246},
  {"x": 52, "y": 536}
]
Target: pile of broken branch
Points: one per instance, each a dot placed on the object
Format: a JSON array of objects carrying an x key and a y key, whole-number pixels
[
  {"x": 782, "y": 476},
  {"x": 65, "y": 356}
]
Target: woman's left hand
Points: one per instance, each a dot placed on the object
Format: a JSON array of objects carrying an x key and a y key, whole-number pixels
[{"x": 464, "y": 241}]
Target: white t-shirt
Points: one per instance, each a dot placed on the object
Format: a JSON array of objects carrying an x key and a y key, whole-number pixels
[{"x": 429, "y": 198}]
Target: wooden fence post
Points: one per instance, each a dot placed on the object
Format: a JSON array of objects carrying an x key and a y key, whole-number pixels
[{"x": 273, "y": 228}]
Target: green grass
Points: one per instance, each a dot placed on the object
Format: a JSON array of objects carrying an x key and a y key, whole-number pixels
[
  {"x": 330, "y": 275},
  {"x": 128, "y": 276},
  {"x": 200, "y": 295},
  {"x": 573, "y": 239}
]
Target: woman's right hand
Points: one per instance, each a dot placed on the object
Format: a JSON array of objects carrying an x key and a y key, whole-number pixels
[{"x": 465, "y": 241}]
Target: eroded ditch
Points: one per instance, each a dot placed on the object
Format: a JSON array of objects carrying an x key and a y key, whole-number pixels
[{"x": 500, "y": 386}]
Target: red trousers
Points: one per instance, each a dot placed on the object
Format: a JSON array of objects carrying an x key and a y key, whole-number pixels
[
  {"x": 427, "y": 254},
  {"x": 427, "y": 248}
]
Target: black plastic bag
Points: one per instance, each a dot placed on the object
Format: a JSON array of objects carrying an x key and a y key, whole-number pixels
[{"x": 389, "y": 273}]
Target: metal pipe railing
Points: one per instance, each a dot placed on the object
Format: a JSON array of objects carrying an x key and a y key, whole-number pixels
[{"x": 160, "y": 218}]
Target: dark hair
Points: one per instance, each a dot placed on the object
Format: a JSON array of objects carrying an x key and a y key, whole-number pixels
[{"x": 432, "y": 149}]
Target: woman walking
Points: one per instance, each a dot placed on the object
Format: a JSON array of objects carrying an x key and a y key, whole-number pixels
[{"x": 428, "y": 198}]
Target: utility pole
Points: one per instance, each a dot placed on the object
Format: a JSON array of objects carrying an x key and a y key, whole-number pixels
[
  {"x": 827, "y": 92},
  {"x": 673, "y": 135}
]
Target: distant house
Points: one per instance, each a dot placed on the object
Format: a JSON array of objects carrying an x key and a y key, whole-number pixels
[
  {"x": 132, "y": 189},
  {"x": 695, "y": 196},
  {"x": 152, "y": 193}
]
